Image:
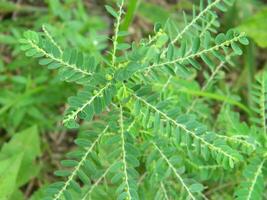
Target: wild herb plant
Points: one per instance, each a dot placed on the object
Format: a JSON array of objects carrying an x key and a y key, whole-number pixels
[
  {"x": 151, "y": 139},
  {"x": 25, "y": 97}
]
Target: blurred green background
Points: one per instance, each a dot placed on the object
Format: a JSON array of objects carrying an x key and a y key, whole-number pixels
[{"x": 31, "y": 98}]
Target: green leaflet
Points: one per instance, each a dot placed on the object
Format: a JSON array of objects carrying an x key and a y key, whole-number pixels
[
  {"x": 259, "y": 96},
  {"x": 72, "y": 65},
  {"x": 141, "y": 136},
  {"x": 87, "y": 145},
  {"x": 111, "y": 11},
  {"x": 211, "y": 146},
  {"x": 253, "y": 184},
  {"x": 87, "y": 103},
  {"x": 195, "y": 45}
]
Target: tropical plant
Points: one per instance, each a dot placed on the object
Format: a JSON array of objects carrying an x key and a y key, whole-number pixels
[
  {"x": 25, "y": 98},
  {"x": 149, "y": 137}
]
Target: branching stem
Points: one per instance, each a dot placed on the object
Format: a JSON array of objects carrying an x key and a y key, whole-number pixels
[
  {"x": 175, "y": 172},
  {"x": 80, "y": 164},
  {"x": 183, "y": 127},
  {"x": 117, "y": 28},
  {"x": 124, "y": 155}
]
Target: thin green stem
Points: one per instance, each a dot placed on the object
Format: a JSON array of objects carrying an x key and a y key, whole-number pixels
[
  {"x": 164, "y": 191},
  {"x": 254, "y": 180},
  {"x": 204, "y": 51},
  {"x": 89, "y": 192},
  {"x": 73, "y": 115},
  {"x": 51, "y": 39},
  {"x": 175, "y": 172},
  {"x": 183, "y": 127},
  {"x": 124, "y": 155},
  {"x": 59, "y": 60},
  {"x": 237, "y": 140},
  {"x": 58, "y": 195},
  {"x": 202, "y": 13},
  {"x": 117, "y": 27},
  {"x": 262, "y": 105}
]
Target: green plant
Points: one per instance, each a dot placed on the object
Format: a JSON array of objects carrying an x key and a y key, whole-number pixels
[
  {"x": 149, "y": 137},
  {"x": 24, "y": 88},
  {"x": 32, "y": 97}
]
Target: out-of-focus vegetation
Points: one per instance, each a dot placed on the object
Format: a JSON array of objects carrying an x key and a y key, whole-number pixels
[{"x": 32, "y": 99}]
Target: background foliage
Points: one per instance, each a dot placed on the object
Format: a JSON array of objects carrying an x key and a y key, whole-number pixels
[{"x": 32, "y": 99}]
